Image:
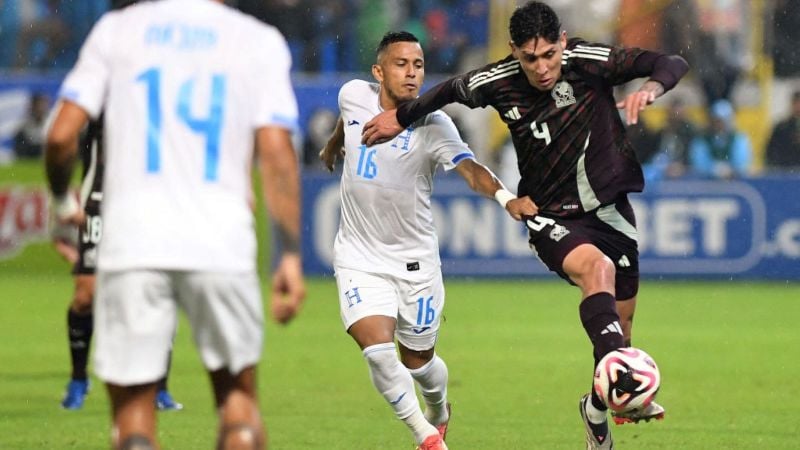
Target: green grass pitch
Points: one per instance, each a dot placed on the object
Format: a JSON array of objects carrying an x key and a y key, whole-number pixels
[{"x": 518, "y": 359}]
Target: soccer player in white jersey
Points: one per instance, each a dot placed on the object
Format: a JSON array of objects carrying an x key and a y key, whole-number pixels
[
  {"x": 189, "y": 88},
  {"x": 386, "y": 254}
]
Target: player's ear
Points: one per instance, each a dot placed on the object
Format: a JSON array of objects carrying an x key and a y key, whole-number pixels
[
  {"x": 514, "y": 49},
  {"x": 377, "y": 72},
  {"x": 563, "y": 39}
]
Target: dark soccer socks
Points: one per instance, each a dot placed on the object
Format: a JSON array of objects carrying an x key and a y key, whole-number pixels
[
  {"x": 79, "y": 329},
  {"x": 601, "y": 322}
]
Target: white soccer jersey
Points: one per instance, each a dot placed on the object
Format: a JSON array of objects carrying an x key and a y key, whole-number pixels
[
  {"x": 387, "y": 225},
  {"x": 184, "y": 85}
]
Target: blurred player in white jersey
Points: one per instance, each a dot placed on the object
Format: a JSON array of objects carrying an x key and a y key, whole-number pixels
[
  {"x": 386, "y": 253},
  {"x": 189, "y": 88}
]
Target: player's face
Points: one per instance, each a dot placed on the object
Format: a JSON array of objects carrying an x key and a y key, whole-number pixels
[
  {"x": 541, "y": 60},
  {"x": 400, "y": 70}
]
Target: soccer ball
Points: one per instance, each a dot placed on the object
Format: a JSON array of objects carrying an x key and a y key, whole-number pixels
[{"x": 627, "y": 379}]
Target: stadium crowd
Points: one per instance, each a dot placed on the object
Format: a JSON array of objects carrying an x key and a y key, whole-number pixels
[{"x": 326, "y": 38}]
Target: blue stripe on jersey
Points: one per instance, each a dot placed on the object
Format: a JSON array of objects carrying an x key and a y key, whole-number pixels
[
  {"x": 462, "y": 156},
  {"x": 287, "y": 121}
]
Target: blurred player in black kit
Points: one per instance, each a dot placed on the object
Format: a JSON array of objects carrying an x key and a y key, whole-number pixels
[
  {"x": 556, "y": 96},
  {"x": 90, "y": 230}
]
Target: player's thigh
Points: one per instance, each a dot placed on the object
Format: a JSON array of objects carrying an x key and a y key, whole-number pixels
[
  {"x": 226, "y": 315},
  {"x": 419, "y": 318},
  {"x": 552, "y": 239},
  {"x": 363, "y": 295},
  {"x": 134, "y": 319}
]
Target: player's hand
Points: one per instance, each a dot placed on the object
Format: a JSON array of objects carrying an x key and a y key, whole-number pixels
[
  {"x": 67, "y": 211},
  {"x": 288, "y": 288},
  {"x": 66, "y": 249},
  {"x": 522, "y": 206},
  {"x": 328, "y": 156},
  {"x": 381, "y": 128},
  {"x": 635, "y": 103}
]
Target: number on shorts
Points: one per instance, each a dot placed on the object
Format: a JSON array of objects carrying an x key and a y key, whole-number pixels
[
  {"x": 425, "y": 311},
  {"x": 539, "y": 222}
]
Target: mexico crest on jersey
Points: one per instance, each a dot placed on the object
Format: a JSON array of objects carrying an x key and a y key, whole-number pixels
[{"x": 562, "y": 94}]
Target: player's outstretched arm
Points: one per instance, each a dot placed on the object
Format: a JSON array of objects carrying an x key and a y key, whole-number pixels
[
  {"x": 334, "y": 148},
  {"x": 280, "y": 181},
  {"x": 61, "y": 151},
  {"x": 390, "y": 123},
  {"x": 665, "y": 72},
  {"x": 481, "y": 180}
]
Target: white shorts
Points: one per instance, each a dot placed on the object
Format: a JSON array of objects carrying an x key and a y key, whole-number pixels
[
  {"x": 416, "y": 306},
  {"x": 135, "y": 314}
]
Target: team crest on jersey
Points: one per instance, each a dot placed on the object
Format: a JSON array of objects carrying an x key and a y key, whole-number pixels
[
  {"x": 558, "y": 232},
  {"x": 562, "y": 94}
]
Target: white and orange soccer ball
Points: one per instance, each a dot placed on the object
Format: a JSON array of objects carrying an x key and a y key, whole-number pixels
[{"x": 627, "y": 379}]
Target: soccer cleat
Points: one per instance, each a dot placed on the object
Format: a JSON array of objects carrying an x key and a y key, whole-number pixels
[
  {"x": 654, "y": 411},
  {"x": 442, "y": 427},
  {"x": 165, "y": 402},
  {"x": 433, "y": 442},
  {"x": 598, "y": 436},
  {"x": 76, "y": 392}
]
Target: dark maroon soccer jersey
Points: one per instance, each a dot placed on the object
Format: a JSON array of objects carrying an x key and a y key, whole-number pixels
[
  {"x": 92, "y": 160},
  {"x": 572, "y": 152}
]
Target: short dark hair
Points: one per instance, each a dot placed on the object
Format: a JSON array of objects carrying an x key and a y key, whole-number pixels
[
  {"x": 534, "y": 20},
  {"x": 392, "y": 37}
]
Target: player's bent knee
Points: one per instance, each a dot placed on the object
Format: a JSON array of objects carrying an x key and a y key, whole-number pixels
[
  {"x": 84, "y": 296},
  {"x": 82, "y": 304},
  {"x": 414, "y": 359},
  {"x": 239, "y": 436},
  {"x": 137, "y": 442}
]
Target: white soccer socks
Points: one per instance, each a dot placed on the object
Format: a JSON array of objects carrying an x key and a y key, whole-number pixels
[
  {"x": 394, "y": 382},
  {"x": 432, "y": 381}
]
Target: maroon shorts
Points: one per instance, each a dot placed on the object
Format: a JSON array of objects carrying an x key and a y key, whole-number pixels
[
  {"x": 89, "y": 235},
  {"x": 611, "y": 228}
]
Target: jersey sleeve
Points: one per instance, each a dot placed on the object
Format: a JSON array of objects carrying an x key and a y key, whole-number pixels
[
  {"x": 444, "y": 141},
  {"x": 87, "y": 83},
  {"x": 615, "y": 64},
  {"x": 350, "y": 94},
  {"x": 452, "y": 90},
  {"x": 276, "y": 104}
]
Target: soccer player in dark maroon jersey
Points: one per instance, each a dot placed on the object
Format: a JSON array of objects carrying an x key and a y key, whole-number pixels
[{"x": 556, "y": 97}]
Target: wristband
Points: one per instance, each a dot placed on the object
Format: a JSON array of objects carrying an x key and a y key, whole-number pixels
[
  {"x": 65, "y": 206},
  {"x": 503, "y": 197}
]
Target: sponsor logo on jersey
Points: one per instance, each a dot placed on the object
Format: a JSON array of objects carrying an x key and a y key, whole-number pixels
[
  {"x": 563, "y": 95},
  {"x": 352, "y": 122},
  {"x": 624, "y": 261}
]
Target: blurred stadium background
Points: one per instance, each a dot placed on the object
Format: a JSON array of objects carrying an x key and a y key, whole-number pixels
[{"x": 720, "y": 257}]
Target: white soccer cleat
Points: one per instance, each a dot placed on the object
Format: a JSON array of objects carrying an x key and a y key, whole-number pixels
[
  {"x": 653, "y": 411},
  {"x": 598, "y": 436}
]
